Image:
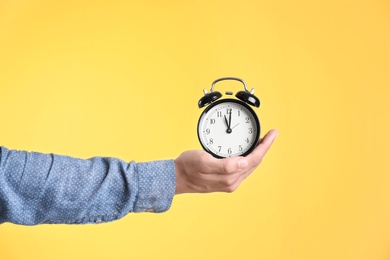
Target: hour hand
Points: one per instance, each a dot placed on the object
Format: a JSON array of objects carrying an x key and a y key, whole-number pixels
[{"x": 226, "y": 121}]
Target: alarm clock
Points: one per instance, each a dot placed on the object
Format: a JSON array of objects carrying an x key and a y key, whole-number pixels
[{"x": 229, "y": 126}]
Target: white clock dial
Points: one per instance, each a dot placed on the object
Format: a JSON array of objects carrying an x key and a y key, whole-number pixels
[{"x": 228, "y": 128}]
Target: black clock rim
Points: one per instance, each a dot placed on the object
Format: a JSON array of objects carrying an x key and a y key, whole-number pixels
[{"x": 209, "y": 107}]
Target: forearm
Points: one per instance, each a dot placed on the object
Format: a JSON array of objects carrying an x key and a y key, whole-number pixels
[{"x": 40, "y": 188}]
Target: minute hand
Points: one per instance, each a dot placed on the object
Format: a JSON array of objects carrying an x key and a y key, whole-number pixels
[{"x": 230, "y": 118}]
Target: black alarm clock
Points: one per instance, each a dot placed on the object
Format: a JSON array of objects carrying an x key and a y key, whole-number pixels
[{"x": 228, "y": 126}]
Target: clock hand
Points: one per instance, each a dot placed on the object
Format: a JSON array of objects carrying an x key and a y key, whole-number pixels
[
  {"x": 226, "y": 121},
  {"x": 235, "y": 126},
  {"x": 230, "y": 118},
  {"x": 228, "y": 130}
]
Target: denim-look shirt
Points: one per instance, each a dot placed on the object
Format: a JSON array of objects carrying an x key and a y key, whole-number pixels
[{"x": 38, "y": 188}]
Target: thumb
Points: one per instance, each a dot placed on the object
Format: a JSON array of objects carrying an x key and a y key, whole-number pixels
[
  {"x": 232, "y": 165},
  {"x": 242, "y": 163}
]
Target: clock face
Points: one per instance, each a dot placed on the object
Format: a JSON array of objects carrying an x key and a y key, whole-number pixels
[{"x": 228, "y": 128}]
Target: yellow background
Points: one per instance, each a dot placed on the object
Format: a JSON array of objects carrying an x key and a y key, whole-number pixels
[{"x": 123, "y": 78}]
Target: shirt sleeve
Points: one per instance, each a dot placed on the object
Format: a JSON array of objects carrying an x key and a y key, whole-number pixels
[{"x": 38, "y": 188}]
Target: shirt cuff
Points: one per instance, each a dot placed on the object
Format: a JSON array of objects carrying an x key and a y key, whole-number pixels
[{"x": 156, "y": 186}]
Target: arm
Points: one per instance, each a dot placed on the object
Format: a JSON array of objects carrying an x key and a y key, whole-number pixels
[{"x": 40, "y": 188}]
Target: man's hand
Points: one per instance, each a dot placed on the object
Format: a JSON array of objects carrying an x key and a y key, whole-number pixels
[{"x": 199, "y": 172}]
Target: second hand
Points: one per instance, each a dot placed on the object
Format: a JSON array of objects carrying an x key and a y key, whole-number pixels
[{"x": 235, "y": 125}]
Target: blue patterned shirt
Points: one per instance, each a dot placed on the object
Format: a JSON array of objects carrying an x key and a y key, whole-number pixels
[{"x": 38, "y": 188}]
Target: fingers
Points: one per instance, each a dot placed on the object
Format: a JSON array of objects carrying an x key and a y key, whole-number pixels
[
  {"x": 240, "y": 164},
  {"x": 243, "y": 164},
  {"x": 218, "y": 166},
  {"x": 255, "y": 158}
]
